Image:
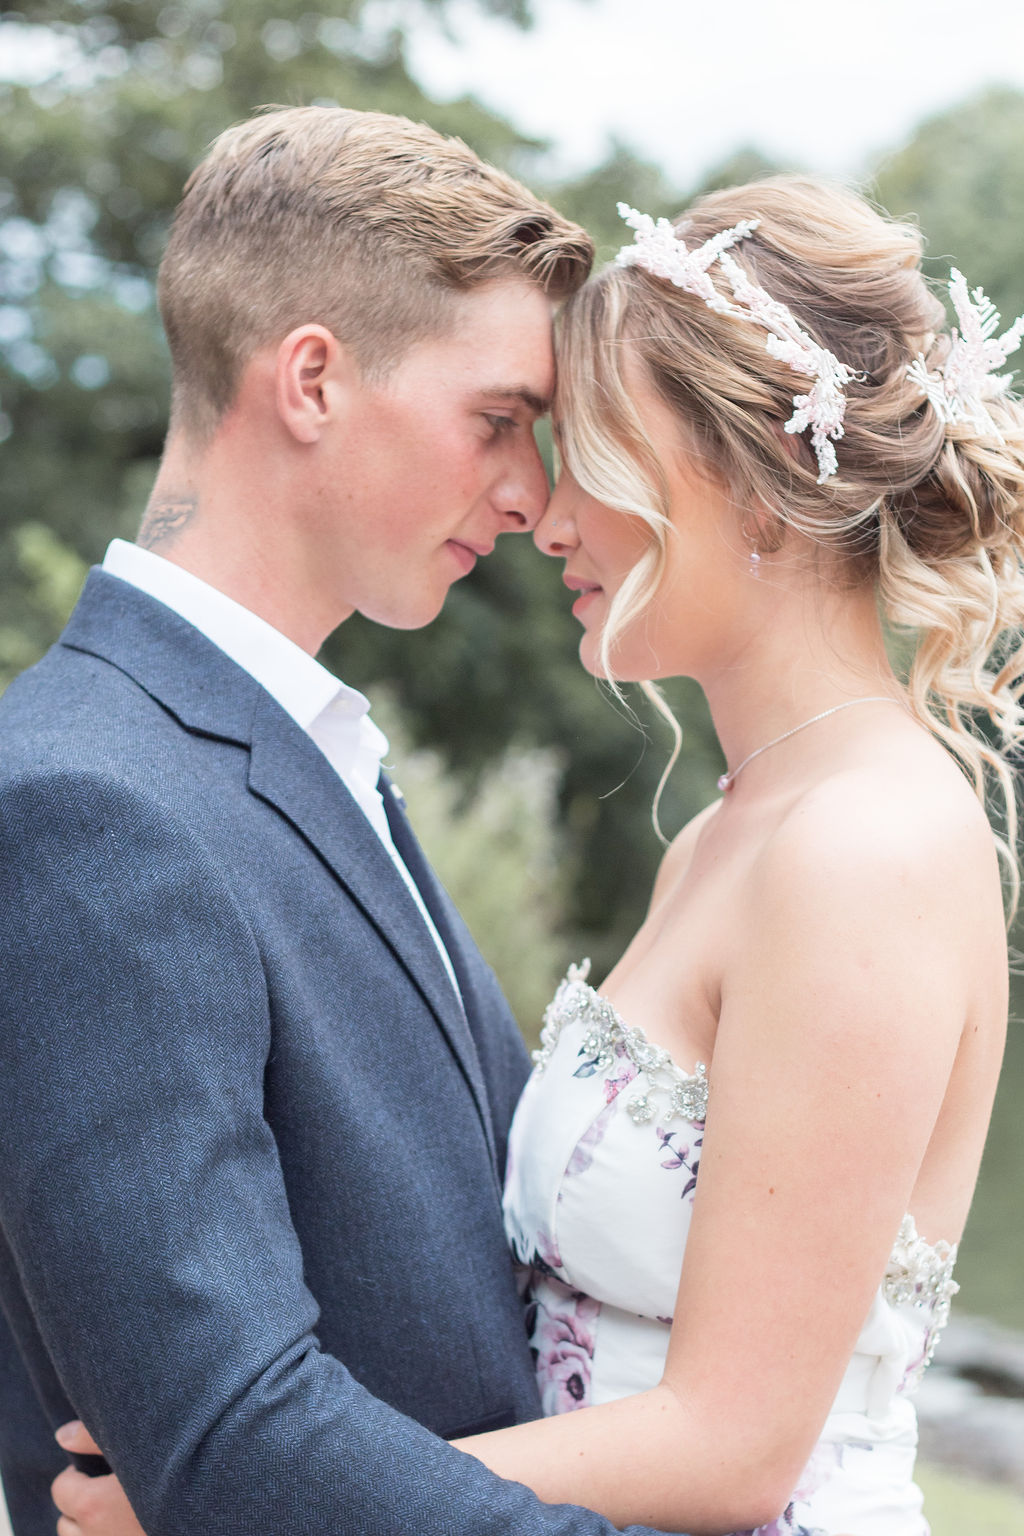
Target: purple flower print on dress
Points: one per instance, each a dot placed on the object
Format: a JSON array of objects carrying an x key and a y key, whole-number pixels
[
  {"x": 685, "y": 1157},
  {"x": 613, "y": 1086},
  {"x": 543, "y": 1258},
  {"x": 563, "y": 1376},
  {"x": 547, "y": 1257},
  {"x": 563, "y": 1338},
  {"x": 583, "y": 1152},
  {"x": 785, "y": 1525},
  {"x": 911, "y": 1378},
  {"x": 824, "y": 1461}
]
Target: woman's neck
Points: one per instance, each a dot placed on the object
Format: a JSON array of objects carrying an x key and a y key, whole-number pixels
[{"x": 818, "y": 648}]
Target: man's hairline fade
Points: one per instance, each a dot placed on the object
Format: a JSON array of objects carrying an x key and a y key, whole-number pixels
[{"x": 412, "y": 219}]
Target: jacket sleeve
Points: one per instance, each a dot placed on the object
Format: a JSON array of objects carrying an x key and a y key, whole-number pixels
[{"x": 145, "y": 1209}]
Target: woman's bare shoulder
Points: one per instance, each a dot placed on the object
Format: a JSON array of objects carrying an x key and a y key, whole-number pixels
[
  {"x": 917, "y": 812},
  {"x": 906, "y": 858}
]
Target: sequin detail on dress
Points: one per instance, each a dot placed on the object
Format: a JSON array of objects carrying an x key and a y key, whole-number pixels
[
  {"x": 921, "y": 1274},
  {"x": 667, "y": 1090}
]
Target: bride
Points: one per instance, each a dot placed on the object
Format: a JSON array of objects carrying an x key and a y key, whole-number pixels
[{"x": 740, "y": 1170}]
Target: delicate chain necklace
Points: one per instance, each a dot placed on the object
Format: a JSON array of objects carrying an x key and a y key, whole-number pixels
[{"x": 727, "y": 780}]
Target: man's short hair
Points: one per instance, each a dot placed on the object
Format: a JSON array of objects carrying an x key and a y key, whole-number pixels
[{"x": 362, "y": 222}]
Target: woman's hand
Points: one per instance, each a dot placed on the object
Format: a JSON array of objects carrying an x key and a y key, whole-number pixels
[{"x": 90, "y": 1506}]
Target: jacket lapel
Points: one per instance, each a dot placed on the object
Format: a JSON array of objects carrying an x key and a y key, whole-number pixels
[
  {"x": 165, "y": 655},
  {"x": 291, "y": 774},
  {"x": 438, "y": 904},
  {"x": 429, "y": 886},
  {"x": 210, "y": 695}
]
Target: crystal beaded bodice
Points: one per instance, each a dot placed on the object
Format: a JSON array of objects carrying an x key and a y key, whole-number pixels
[
  {"x": 603, "y": 1170},
  {"x": 665, "y": 1090}
]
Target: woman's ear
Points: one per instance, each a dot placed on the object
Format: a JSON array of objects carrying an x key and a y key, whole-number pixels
[
  {"x": 796, "y": 447},
  {"x": 763, "y": 529},
  {"x": 310, "y": 372}
]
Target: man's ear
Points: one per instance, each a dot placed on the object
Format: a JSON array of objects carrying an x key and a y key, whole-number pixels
[{"x": 310, "y": 373}]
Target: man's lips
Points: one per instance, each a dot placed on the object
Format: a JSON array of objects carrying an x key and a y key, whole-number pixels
[{"x": 467, "y": 554}]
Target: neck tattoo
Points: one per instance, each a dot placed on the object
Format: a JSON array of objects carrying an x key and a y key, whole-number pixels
[
  {"x": 165, "y": 517},
  {"x": 727, "y": 780}
]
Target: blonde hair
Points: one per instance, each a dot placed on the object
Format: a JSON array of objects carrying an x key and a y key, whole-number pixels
[
  {"x": 362, "y": 222},
  {"x": 932, "y": 514}
]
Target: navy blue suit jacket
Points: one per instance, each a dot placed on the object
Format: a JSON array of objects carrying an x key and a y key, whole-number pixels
[{"x": 251, "y": 1148}]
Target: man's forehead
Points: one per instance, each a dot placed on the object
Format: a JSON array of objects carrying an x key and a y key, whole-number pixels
[{"x": 502, "y": 335}]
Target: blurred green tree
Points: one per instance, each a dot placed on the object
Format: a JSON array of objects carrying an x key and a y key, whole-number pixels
[
  {"x": 744, "y": 164},
  {"x": 961, "y": 177},
  {"x": 98, "y": 141},
  {"x": 622, "y": 176},
  {"x": 97, "y": 147}
]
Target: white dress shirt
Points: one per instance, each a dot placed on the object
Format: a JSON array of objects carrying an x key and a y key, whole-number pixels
[{"x": 336, "y": 717}]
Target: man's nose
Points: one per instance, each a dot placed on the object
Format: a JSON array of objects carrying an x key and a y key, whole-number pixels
[{"x": 525, "y": 494}]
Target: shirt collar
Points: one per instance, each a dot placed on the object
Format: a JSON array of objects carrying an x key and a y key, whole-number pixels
[{"x": 290, "y": 675}]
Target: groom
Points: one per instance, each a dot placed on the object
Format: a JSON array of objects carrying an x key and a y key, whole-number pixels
[{"x": 255, "y": 1078}]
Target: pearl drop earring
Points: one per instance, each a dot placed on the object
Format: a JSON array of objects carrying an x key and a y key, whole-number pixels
[{"x": 754, "y": 563}]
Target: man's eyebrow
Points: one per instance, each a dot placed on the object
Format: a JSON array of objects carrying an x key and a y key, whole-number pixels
[{"x": 538, "y": 404}]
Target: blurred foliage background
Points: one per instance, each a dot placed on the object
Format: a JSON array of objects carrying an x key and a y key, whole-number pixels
[
  {"x": 92, "y": 163},
  {"x": 531, "y": 787}
]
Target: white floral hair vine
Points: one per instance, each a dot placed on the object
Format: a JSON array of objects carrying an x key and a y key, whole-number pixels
[
  {"x": 959, "y": 387},
  {"x": 658, "y": 249}
]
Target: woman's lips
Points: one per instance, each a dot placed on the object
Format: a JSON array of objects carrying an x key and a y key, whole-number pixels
[
  {"x": 586, "y": 590},
  {"x": 580, "y": 605}
]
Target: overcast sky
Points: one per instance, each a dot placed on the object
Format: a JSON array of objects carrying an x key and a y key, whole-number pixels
[
  {"x": 825, "y": 85},
  {"x": 828, "y": 85}
]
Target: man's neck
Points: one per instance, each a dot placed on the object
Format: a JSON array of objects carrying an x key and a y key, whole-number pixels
[
  {"x": 174, "y": 502},
  {"x": 208, "y": 516}
]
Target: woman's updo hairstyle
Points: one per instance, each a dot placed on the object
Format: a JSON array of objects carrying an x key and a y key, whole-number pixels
[{"x": 932, "y": 514}]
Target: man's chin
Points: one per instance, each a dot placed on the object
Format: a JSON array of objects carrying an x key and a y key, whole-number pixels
[{"x": 413, "y": 615}]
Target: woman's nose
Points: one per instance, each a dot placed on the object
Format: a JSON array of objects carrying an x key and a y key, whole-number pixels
[{"x": 556, "y": 534}]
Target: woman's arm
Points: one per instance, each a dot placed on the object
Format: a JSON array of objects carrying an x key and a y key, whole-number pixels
[{"x": 842, "y": 1011}]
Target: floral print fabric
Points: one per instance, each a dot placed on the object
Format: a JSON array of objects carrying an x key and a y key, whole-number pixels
[
  {"x": 562, "y": 1334},
  {"x": 604, "y": 1169}
]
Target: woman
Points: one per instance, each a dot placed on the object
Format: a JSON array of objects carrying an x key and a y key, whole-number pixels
[{"x": 762, "y": 436}]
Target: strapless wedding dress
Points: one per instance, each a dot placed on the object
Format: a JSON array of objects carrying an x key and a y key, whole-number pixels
[{"x": 603, "y": 1163}]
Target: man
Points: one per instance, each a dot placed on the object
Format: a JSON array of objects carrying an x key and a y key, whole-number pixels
[{"x": 255, "y": 1079}]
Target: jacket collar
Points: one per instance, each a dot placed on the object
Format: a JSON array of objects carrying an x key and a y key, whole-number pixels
[
  {"x": 170, "y": 660},
  {"x": 211, "y": 695}
]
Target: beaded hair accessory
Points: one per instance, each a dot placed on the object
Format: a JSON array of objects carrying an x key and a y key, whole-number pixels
[
  {"x": 959, "y": 387},
  {"x": 658, "y": 249}
]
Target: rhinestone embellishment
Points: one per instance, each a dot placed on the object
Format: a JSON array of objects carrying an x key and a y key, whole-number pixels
[
  {"x": 921, "y": 1274},
  {"x": 666, "y": 1090}
]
